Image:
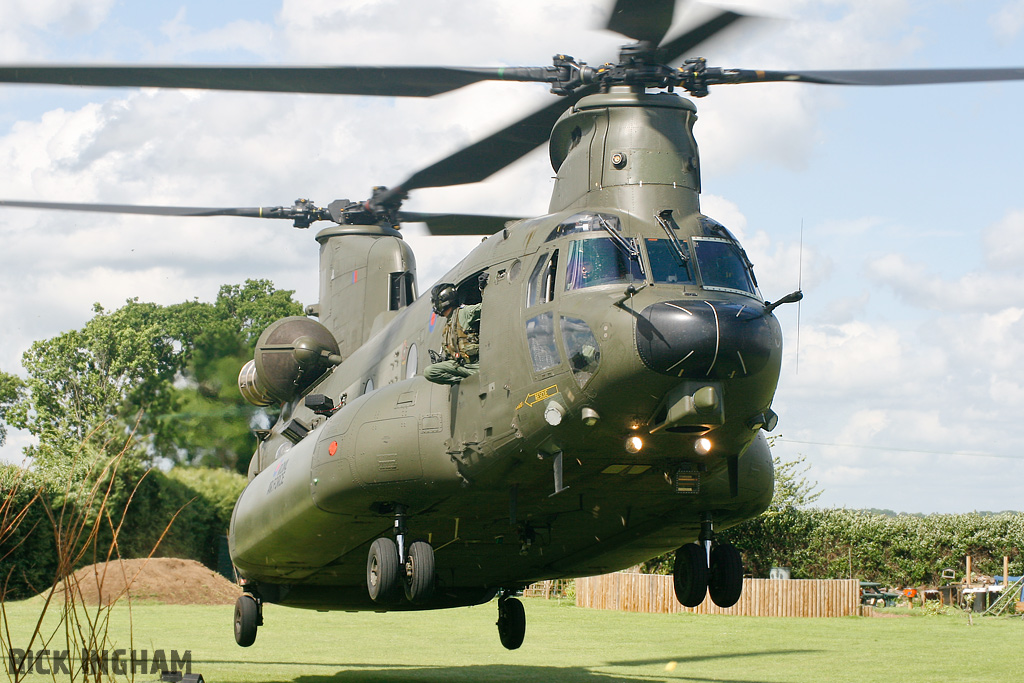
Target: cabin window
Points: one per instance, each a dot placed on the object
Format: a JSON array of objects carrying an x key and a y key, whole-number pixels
[
  {"x": 600, "y": 261},
  {"x": 540, "y": 337},
  {"x": 402, "y": 291},
  {"x": 411, "y": 362},
  {"x": 666, "y": 264},
  {"x": 722, "y": 266},
  {"x": 580, "y": 348},
  {"x": 542, "y": 281}
]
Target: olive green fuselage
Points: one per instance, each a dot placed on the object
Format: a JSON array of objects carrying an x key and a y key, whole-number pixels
[{"x": 566, "y": 368}]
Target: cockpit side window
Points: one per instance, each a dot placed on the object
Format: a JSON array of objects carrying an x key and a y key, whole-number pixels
[
  {"x": 600, "y": 261},
  {"x": 542, "y": 281},
  {"x": 722, "y": 266}
]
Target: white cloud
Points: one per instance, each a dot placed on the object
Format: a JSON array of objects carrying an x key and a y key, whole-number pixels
[
  {"x": 918, "y": 285},
  {"x": 933, "y": 366},
  {"x": 1008, "y": 21},
  {"x": 1004, "y": 242}
]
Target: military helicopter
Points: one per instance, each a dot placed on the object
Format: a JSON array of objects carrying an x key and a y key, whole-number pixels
[{"x": 627, "y": 360}]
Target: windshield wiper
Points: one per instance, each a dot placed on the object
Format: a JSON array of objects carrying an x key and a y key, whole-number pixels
[
  {"x": 665, "y": 221},
  {"x": 629, "y": 249}
]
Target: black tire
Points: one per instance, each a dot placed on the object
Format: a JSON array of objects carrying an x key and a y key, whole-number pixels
[
  {"x": 382, "y": 570},
  {"x": 247, "y": 614},
  {"x": 419, "y": 572},
  {"x": 726, "y": 582},
  {"x": 690, "y": 574},
  {"x": 511, "y": 623}
]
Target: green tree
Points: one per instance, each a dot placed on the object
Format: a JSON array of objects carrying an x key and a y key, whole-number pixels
[
  {"x": 81, "y": 384},
  {"x": 792, "y": 487},
  {"x": 203, "y": 419},
  {"x": 163, "y": 373},
  {"x": 11, "y": 393}
]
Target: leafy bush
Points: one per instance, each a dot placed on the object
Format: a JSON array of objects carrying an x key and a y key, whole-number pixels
[{"x": 907, "y": 550}]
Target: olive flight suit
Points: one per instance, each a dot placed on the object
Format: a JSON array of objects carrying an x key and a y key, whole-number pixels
[{"x": 462, "y": 346}]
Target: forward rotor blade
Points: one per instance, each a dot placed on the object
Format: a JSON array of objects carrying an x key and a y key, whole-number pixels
[
  {"x": 646, "y": 20},
  {"x": 283, "y": 212},
  {"x": 874, "y": 77},
  {"x": 390, "y": 81},
  {"x": 679, "y": 46},
  {"x": 457, "y": 223},
  {"x": 488, "y": 156}
]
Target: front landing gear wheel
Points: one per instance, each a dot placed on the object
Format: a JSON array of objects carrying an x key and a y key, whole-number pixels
[
  {"x": 690, "y": 575},
  {"x": 511, "y": 623},
  {"x": 726, "y": 583},
  {"x": 419, "y": 572},
  {"x": 382, "y": 570},
  {"x": 247, "y": 617}
]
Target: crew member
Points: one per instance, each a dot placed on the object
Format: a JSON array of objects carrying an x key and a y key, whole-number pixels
[{"x": 461, "y": 337}]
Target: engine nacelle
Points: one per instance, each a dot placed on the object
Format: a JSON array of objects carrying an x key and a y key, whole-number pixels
[{"x": 291, "y": 355}]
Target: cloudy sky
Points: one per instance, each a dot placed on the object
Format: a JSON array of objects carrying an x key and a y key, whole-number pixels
[{"x": 907, "y": 388}]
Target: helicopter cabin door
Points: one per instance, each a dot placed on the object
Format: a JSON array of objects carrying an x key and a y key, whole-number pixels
[{"x": 480, "y": 418}]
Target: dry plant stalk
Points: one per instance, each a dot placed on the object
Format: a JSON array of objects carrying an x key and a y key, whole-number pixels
[{"x": 83, "y": 630}]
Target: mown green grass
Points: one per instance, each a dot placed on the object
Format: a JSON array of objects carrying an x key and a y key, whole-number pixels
[{"x": 565, "y": 643}]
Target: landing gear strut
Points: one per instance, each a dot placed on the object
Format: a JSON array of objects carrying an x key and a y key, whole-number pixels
[
  {"x": 248, "y": 618},
  {"x": 511, "y": 621},
  {"x": 708, "y": 568}
]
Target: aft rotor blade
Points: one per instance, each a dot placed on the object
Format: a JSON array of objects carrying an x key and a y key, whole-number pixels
[
  {"x": 390, "y": 81},
  {"x": 646, "y": 20},
  {"x": 871, "y": 77},
  {"x": 457, "y": 223},
  {"x": 284, "y": 212}
]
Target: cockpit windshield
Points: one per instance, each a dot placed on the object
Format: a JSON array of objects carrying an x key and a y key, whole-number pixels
[
  {"x": 600, "y": 261},
  {"x": 667, "y": 265},
  {"x": 722, "y": 265},
  {"x": 584, "y": 222}
]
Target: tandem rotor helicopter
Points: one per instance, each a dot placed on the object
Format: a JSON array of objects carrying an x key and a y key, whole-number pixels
[{"x": 617, "y": 360}]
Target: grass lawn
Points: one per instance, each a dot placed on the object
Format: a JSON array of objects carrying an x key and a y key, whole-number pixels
[{"x": 565, "y": 643}]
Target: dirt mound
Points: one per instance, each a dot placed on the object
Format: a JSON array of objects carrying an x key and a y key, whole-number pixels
[{"x": 159, "y": 579}]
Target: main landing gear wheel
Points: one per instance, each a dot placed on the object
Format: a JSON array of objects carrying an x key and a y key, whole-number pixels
[
  {"x": 690, "y": 575},
  {"x": 382, "y": 570},
  {"x": 726, "y": 583},
  {"x": 419, "y": 572},
  {"x": 247, "y": 620},
  {"x": 511, "y": 623}
]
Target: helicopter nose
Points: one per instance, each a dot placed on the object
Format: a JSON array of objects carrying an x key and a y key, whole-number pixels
[{"x": 705, "y": 339}]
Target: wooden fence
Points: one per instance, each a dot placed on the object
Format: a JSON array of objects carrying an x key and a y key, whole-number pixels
[{"x": 629, "y": 592}]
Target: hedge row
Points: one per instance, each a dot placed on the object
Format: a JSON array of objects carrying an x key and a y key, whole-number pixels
[
  {"x": 38, "y": 514},
  {"x": 903, "y": 550}
]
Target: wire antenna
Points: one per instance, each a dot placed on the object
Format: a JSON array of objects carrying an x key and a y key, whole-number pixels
[{"x": 800, "y": 288}]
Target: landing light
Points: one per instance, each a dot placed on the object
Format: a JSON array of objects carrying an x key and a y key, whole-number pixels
[
  {"x": 702, "y": 445},
  {"x": 553, "y": 413},
  {"x": 634, "y": 444}
]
